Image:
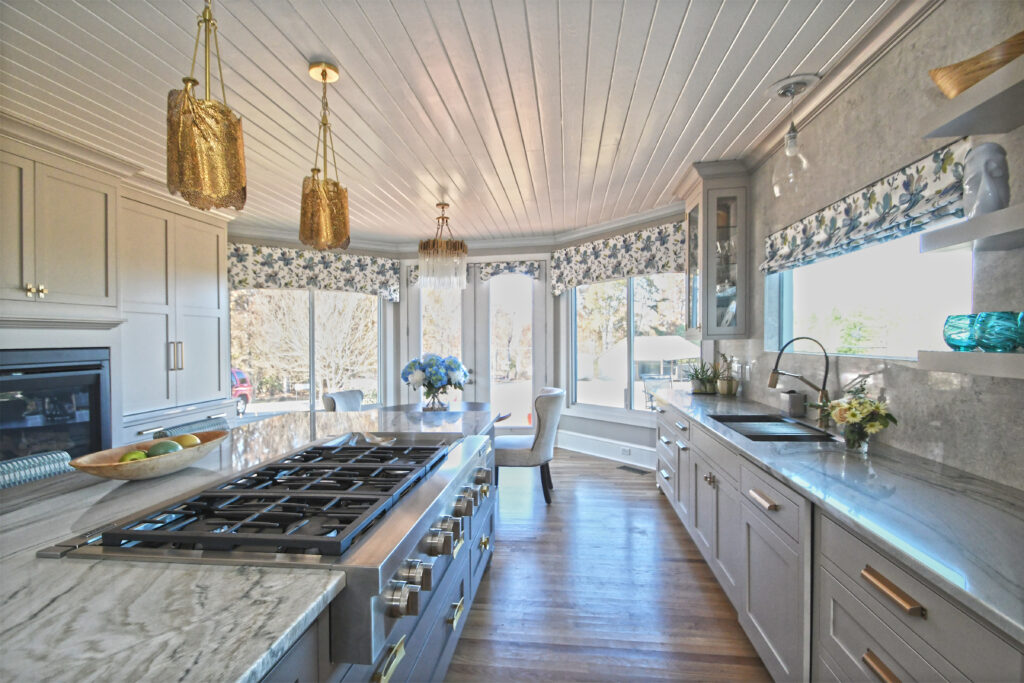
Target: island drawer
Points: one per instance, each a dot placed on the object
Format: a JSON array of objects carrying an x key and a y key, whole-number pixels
[
  {"x": 773, "y": 500},
  {"x": 900, "y": 599},
  {"x": 724, "y": 460},
  {"x": 665, "y": 475},
  {"x": 862, "y": 646}
]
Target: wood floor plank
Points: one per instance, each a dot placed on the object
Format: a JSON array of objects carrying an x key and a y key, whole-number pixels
[{"x": 604, "y": 584}]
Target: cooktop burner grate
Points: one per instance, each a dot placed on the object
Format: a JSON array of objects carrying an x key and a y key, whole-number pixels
[{"x": 319, "y": 501}]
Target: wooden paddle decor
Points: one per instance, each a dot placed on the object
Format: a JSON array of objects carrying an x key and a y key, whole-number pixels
[{"x": 955, "y": 78}]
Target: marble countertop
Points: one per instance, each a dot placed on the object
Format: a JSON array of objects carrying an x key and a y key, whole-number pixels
[
  {"x": 81, "y": 620},
  {"x": 963, "y": 533}
]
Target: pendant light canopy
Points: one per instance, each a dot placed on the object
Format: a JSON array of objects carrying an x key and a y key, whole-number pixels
[
  {"x": 791, "y": 169},
  {"x": 442, "y": 261},
  {"x": 205, "y": 155},
  {"x": 323, "y": 223}
]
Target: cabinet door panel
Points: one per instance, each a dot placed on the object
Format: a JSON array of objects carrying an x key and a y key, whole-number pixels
[
  {"x": 703, "y": 507},
  {"x": 684, "y": 485},
  {"x": 75, "y": 238},
  {"x": 771, "y": 611},
  {"x": 197, "y": 255},
  {"x": 729, "y": 546},
  {"x": 200, "y": 376},
  {"x": 17, "y": 257},
  {"x": 145, "y": 248},
  {"x": 147, "y": 357}
]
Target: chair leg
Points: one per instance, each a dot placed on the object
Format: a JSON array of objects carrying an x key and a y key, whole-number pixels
[
  {"x": 545, "y": 483},
  {"x": 546, "y": 470}
]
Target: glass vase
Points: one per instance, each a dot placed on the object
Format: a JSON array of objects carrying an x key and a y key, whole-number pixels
[
  {"x": 856, "y": 439},
  {"x": 434, "y": 403},
  {"x": 958, "y": 332},
  {"x": 997, "y": 331}
]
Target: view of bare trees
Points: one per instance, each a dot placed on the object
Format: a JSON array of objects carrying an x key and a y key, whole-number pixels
[
  {"x": 441, "y": 322},
  {"x": 270, "y": 341}
]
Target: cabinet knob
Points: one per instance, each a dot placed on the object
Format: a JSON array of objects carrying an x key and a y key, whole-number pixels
[
  {"x": 30, "y": 290},
  {"x": 485, "y": 542},
  {"x": 43, "y": 291}
]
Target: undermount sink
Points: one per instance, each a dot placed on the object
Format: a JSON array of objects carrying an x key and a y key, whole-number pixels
[{"x": 772, "y": 428}]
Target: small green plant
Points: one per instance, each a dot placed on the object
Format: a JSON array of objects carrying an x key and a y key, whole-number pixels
[{"x": 702, "y": 376}]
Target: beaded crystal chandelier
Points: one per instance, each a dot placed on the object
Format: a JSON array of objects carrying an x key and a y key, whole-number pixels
[{"x": 442, "y": 262}]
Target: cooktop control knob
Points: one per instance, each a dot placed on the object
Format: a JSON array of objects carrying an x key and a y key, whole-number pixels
[
  {"x": 463, "y": 506},
  {"x": 402, "y": 599},
  {"x": 439, "y": 542},
  {"x": 452, "y": 524},
  {"x": 482, "y": 476},
  {"x": 472, "y": 493},
  {"x": 417, "y": 573}
]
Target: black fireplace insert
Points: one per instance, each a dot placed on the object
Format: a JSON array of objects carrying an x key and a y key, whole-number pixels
[{"x": 54, "y": 399}]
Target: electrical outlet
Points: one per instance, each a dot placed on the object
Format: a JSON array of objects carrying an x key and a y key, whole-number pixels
[{"x": 626, "y": 452}]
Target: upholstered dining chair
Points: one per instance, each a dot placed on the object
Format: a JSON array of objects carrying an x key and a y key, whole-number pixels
[
  {"x": 537, "y": 449},
  {"x": 343, "y": 401}
]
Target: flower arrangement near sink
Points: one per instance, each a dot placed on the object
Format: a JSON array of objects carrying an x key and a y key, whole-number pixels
[
  {"x": 436, "y": 375},
  {"x": 860, "y": 416}
]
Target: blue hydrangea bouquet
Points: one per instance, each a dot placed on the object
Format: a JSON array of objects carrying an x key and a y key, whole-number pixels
[{"x": 436, "y": 375}]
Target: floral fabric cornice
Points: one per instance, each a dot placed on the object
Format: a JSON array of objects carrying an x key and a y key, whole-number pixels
[
  {"x": 489, "y": 270},
  {"x": 255, "y": 267},
  {"x": 895, "y": 206},
  {"x": 661, "y": 249}
]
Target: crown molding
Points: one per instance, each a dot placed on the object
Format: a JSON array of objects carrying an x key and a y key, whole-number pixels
[
  {"x": 267, "y": 236},
  {"x": 903, "y": 18},
  {"x": 54, "y": 142}
]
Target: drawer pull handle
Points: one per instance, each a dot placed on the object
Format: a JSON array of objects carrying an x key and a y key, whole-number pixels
[
  {"x": 458, "y": 547},
  {"x": 458, "y": 608},
  {"x": 663, "y": 439},
  {"x": 665, "y": 475},
  {"x": 879, "y": 668},
  {"x": 485, "y": 542},
  {"x": 151, "y": 430},
  {"x": 390, "y": 664},
  {"x": 890, "y": 590},
  {"x": 681, "y": 427},
  {"x": 660, "y": 409},
  {"x": 682, "y": 446},
  {"x": 763, "y": 500}
]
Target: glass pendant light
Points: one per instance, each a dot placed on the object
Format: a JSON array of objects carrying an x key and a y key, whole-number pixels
[
  {"x": 791, "y": 168},
  {"x": 442, "y": 261}
]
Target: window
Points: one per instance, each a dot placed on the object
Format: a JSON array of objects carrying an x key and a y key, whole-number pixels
[
  {"x": 511, "y": 346},
  {"x": 441, "y": 327},
  {"x": 628, "y": 339},
  {"x": 270, "y": 345},
  {"x": 886, "y": 300}
]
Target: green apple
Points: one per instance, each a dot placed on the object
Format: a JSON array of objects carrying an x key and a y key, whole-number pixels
[{"x": 132, "y": 455}]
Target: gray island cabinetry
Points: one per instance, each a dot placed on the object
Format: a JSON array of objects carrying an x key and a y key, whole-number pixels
[{"x": 890, "y": 568}]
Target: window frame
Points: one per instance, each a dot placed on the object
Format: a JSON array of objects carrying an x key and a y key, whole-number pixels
[
  {"x": 594, "y": 409},
  {"x": 310, "y": 302}
]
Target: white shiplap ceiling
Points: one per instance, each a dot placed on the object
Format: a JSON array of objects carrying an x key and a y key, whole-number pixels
[{"x": 532, "y": 117}]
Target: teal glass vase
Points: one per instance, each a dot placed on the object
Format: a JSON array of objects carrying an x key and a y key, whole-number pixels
[
  {"x": 997, "y": 331},
  {"x": 958, "y": 332}
]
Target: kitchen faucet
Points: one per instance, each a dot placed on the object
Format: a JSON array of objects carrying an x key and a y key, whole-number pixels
[{"x": 822, "y": 404}]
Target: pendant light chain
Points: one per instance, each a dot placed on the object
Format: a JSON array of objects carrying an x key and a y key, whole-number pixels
[
  {"x": 207, "y": 21},
  {"x": 325, "y": 131}
]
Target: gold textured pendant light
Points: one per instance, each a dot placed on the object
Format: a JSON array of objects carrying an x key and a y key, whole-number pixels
[
  {"x": 205, "y": 155},
  {"x": 442, "y": 261},
  {"x": 324, "y": 220}
]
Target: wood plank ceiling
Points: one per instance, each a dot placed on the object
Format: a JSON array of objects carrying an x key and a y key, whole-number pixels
[{"x": 532, "y": 117}]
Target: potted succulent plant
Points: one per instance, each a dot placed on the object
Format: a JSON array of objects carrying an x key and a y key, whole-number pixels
[
  {"x": 727, "y": 384},
  {"x": 702, "y": 377}
]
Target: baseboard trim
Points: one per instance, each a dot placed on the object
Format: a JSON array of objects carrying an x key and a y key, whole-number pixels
[{"x": 639, "y": 456}]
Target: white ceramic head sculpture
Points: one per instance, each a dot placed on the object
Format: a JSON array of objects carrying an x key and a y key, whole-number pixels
[{"x": 986, "y": 180}]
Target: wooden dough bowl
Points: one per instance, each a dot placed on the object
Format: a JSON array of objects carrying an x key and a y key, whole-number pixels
[{"x": 105, "y": 463}]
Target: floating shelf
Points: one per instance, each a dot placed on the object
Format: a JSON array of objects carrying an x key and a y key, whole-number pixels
[
  {"x": 992, "y": 106},
  {"x": 1009, "y": 365},
  {"x": 997, "y": 231}
]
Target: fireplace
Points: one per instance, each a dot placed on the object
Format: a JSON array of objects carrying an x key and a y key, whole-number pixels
[{"x": 54, "y": 399}]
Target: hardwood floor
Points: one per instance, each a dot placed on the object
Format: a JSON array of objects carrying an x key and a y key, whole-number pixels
[{"x": 603, "y": 584}]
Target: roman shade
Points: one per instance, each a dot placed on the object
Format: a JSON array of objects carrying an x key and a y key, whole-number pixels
[
  {"x": 661, "y": 249},
  {"x": 901, "y": 204},
  {"x": 257, "y": 267}
]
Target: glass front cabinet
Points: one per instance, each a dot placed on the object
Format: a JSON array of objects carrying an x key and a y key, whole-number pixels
[{"x": 718, "y": 250}]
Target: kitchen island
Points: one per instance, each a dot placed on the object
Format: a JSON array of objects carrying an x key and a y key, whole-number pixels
[{"x": 77, "y": 619}]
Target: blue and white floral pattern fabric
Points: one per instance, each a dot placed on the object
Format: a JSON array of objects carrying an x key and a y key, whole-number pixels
[
  {"x": 661, "y": 249},
  {"x": 898, "y": 205},
  {"x": 528, "y": 268},
  {"x": 256, "y": 267}
]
